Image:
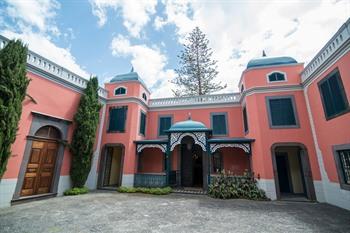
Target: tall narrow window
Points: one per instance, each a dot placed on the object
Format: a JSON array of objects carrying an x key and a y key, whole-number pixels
[
  {"x": 144, "y": 96},
  {"x": 142, "y": 123},
  {"x": 219, "y": 123},
  {"x": 344, "y": 158},
  {"x": 333, "y": 95},
  {"x": 164, "y": 123},
  {"x": 282, "y": 112},
  {"x": 117, "y": 119},
  {"x": 120, "y": 91},
  {"x": 245, "y": 120},
  {"x": 217, "y": 162}
]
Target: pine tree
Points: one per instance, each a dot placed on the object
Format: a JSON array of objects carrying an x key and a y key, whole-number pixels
[
  {"x": 86, "y": 121},
  {"x": 13, "y": 87},
  {"x": 197, "y": 69}
]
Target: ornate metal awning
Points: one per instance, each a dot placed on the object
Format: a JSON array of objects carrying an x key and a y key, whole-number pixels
[
  {"x": 242, "y": 143},
  {"x": 142, "y": 144}
]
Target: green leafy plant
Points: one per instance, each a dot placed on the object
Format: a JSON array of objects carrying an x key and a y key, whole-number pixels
[
  {"x": 13, "y": 87},
  {"x": 86, "y": 121},
  {"x": 153, "y": 191},
  {"x": 226, "y": 186},
  {"x": 76, "y": 191}
]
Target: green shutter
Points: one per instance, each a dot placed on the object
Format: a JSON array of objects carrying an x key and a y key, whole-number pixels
[
  {"x": 117, "y": 119},
  {"x": 164, "y": 124},
  {"x": 219, "y": 124},
  {"x": 112, "y": 123},
  {"x": 282, "y": 112},
  {"x": 142, "y": 123},
  {"x": 333, "y": 95},
  {"x": 245, "y": 120}
]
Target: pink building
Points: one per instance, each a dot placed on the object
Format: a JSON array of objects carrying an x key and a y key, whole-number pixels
[{"x": 289, "y": 124}]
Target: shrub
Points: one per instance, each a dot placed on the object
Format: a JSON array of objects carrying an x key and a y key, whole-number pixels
[
  {"x": 154, "y": 191},
  {"x": 76, "y": 191},
  {"x": 226, "y": 186}
]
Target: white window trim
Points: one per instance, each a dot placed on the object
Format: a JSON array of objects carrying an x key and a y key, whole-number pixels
[
  {"x": 126, "y": 91},
  {"x": 143, "y": 98},
  {"x": 276, "y": 71}
]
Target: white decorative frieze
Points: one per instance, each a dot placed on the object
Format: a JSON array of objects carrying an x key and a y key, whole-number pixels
[
  {"x": 243, "y": 146},
  {"x": 198, "y": 137},
  {"x": 162, "y": 147}
]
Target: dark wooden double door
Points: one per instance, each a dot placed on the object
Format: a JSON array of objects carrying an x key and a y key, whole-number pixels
[
  {"x": 191, "y": 166},
  {"x": 40, "y": 169}
]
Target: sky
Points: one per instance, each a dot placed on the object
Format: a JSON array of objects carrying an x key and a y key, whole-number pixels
[{"x": 108, "y": 37}]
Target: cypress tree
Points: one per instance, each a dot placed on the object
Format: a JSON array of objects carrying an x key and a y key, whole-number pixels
[
  {"x": 197, "y": 70},
  {"x": 13, "y": 87},
  {"x": 86, "y": 121}
]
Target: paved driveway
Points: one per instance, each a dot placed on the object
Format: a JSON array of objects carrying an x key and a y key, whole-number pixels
[{"x": 113, "y": 212}]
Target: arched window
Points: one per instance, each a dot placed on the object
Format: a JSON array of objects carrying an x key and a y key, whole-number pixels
[
  {"x": 48, "y": 132},
  {"x": 120, "y": 91},
  {"x": 276, "y": 77},
  {"x": 144, "y": 96}
]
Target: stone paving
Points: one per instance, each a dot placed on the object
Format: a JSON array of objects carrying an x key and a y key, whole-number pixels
[{"x": 114, "y": 212}]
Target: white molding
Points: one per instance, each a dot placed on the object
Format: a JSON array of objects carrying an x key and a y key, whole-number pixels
[
  {"x": 91, "y": 181},
  {"x": 162, "y": 147},
  {"x": 128, "y": 180},
  {"x": 279, "y": 81},
  {"x": 244, "y": 146},
  {"x": 7, "y": 189},
  {"x": 64, "y": 183}
]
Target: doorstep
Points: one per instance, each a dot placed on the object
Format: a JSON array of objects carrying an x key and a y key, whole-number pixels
[{"x": 32, "y": 198}]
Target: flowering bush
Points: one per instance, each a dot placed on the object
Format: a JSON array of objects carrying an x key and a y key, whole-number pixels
[{"x": 226, "y": 186}]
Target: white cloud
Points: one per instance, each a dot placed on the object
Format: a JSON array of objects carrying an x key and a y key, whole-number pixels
[
  {"x": 43, "y": 46},
  {"x": 148, "y": 62},
  {"x": 136, "y": 14},
  {"x": 239, "y": 31},
  {"x": 34, "y": 13},
  {"x": 34, "y": 23}
]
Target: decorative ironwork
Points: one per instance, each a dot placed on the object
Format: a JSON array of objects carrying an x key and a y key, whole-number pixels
[
  {"x": 243, "y": 146},
  {"x": 162, "y": 147},
  {"x": 150, "y": 180},
  {"x": 198, "y": 137}
]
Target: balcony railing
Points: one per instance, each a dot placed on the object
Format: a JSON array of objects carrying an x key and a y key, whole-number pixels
[
  {"x": 195, "y": 100},
  {"x": 338, "y": 40},
  {"x": 54, "y": 69}
]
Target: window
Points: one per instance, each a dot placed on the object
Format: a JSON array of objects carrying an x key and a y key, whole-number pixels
[
  {"x": 217, "y": 162},
  {"x": 120, "y": 91},
  {"x": 344, "y": 158},
  {"x": 143, "y": 123},
  {"x": 164, "y": 123},
  {"x": 144, "y": 96},
  {"x": 242, "y": 88},
  {"x": 245, "y": 120},
  {"x": 219, "y": 123},
  {"x": 333, "y": 95},
  {"x": 282, "y": 112},
  {"x": 276, "y": 77},
  {"x": 342, "y": 161},
  {"x": 117, "y": 119}
]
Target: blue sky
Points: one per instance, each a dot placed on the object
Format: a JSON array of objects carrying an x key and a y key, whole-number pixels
[{"x": 106, "y": 37}]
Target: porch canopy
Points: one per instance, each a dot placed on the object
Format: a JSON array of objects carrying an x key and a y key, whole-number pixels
[
  {"x": 243, "y": 143},
  {"x": 156, "y": 143}
]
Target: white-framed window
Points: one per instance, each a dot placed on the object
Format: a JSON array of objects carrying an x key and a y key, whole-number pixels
[
  {"x": 120, "y": 91},
  {"x": 276, "y": 76}
]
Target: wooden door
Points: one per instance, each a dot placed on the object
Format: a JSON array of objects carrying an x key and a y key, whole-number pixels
[{"x": 40, "y": 168}]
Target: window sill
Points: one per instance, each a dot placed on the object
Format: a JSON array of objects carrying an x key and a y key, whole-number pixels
[
  {"x": 284, "y": 126},
  {"x": 347, "y": 110}
]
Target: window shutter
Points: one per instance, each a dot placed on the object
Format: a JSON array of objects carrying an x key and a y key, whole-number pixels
[
  {"x": 164, "y": 124},
  {"x": 112, "y": 119},
  {"x": 219, "y": 124},
  {"x": 245, "y": 120},
  {"x": 117, "y": 119},
  {"x": 282, "y": 113},
  {"x": 142, "y": 123}
]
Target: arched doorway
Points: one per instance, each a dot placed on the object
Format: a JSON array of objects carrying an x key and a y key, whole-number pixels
[
  {"x": 41, "y": 165},
  {"x": 192, "y": 172},
  {"x": 292, "y": 172}
]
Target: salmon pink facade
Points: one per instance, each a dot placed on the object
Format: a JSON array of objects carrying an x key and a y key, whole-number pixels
[{"x": 289, "y": 126}]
